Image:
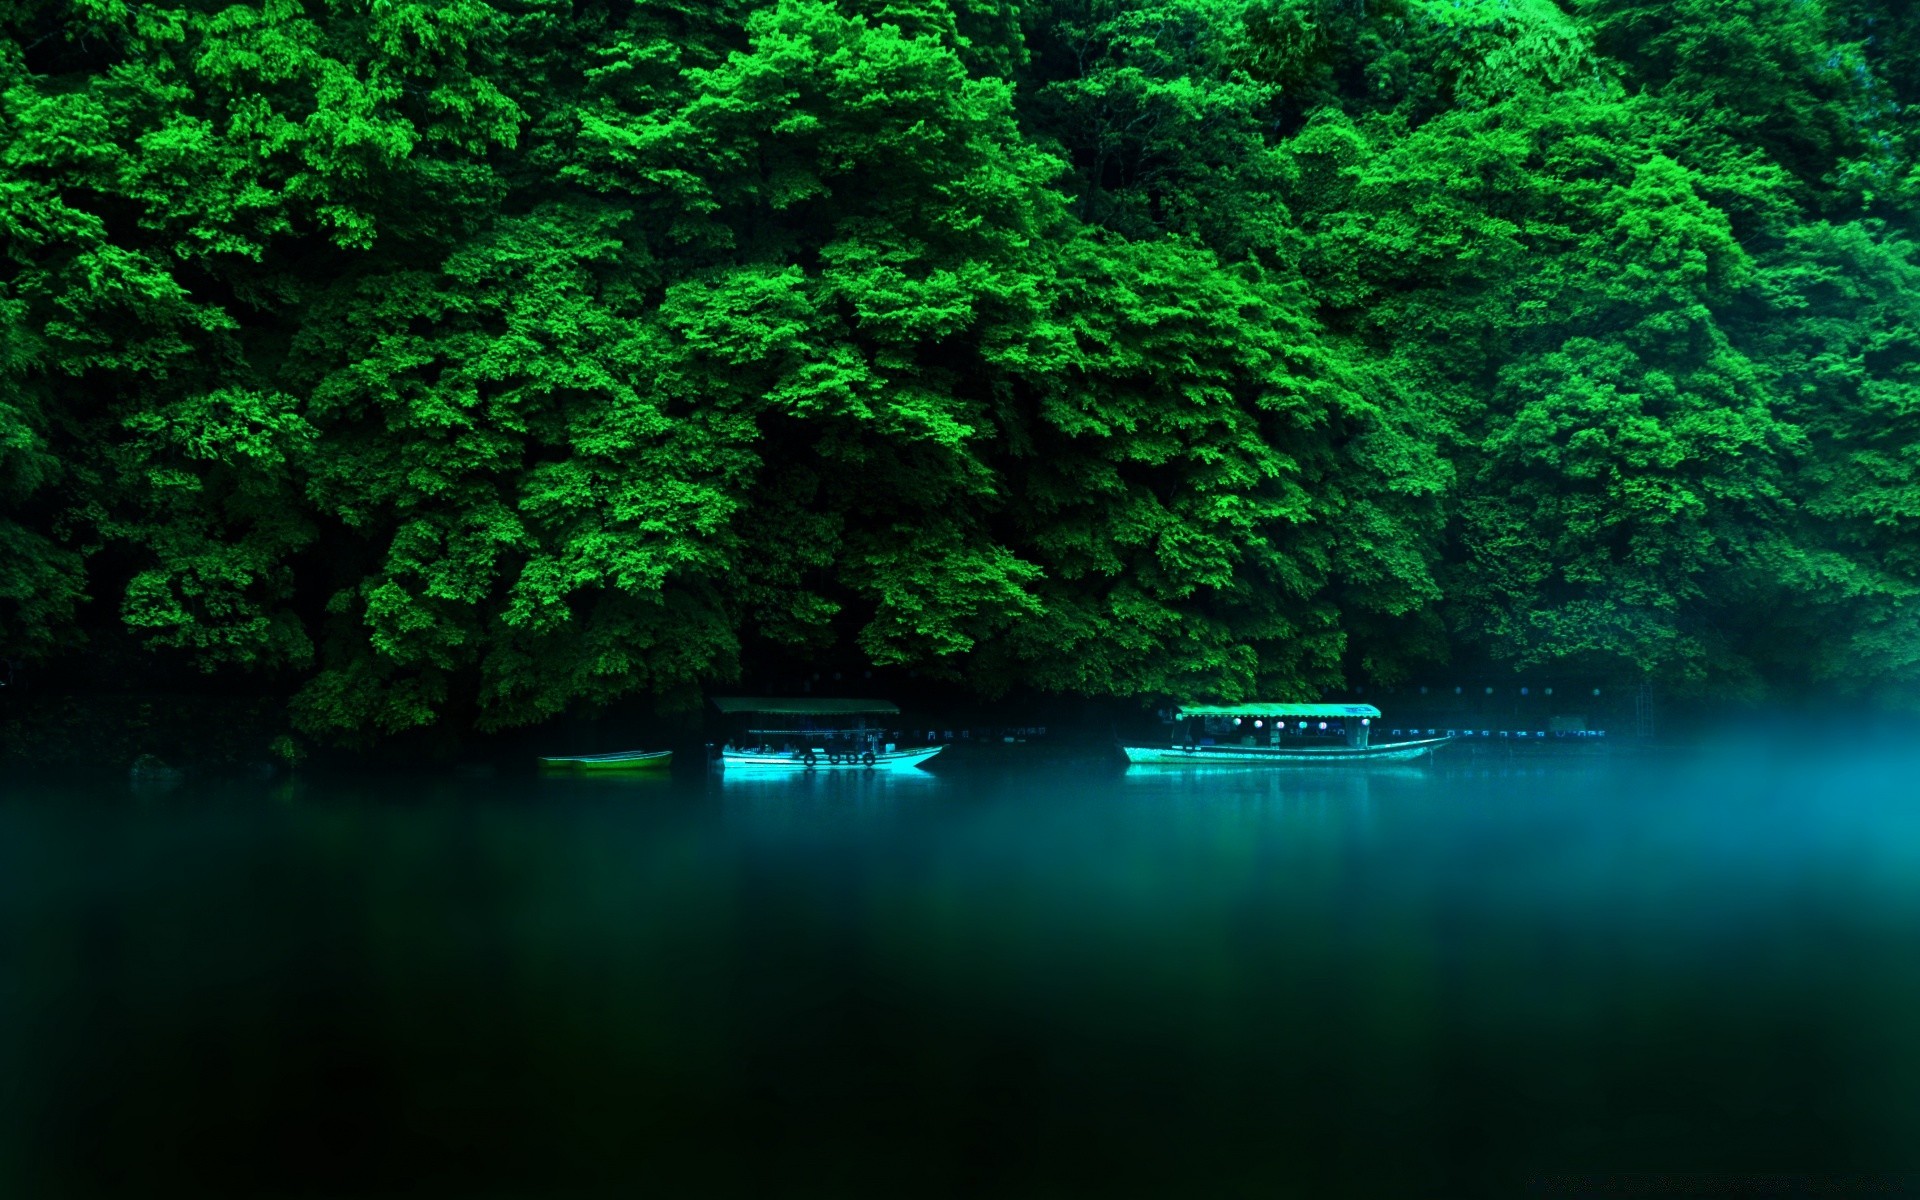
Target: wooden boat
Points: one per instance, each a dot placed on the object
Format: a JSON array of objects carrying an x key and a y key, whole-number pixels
[
  {"x": 625, "y": 760},
  {"x": 1269, "y": 733},
  {"x": 815, "y": 734}
]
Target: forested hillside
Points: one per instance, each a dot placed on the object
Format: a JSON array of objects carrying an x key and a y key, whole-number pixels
[{"x": 466, "y": 361}]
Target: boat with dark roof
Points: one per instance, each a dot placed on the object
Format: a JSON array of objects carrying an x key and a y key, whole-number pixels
[
  {"x": 809, "y": 733},
  {"x": 1269, "y": 733}
]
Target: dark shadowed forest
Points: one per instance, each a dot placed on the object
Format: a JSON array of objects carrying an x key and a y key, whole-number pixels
[{"x": 469, "y": 363}]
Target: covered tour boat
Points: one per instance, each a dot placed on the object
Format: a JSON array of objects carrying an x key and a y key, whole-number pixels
[
  {"x": 1270, "y": 733},
  {"x": 808, "y": 733}
]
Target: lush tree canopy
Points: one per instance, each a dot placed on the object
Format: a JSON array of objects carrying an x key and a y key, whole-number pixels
[{"x": 467, "y": 361}]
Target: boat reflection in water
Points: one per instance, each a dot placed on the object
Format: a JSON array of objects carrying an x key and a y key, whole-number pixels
[
  {"x": 1306, "y": 795},
  {"x": 860, "y": 802},
  {"x": 562, "y": 783}
]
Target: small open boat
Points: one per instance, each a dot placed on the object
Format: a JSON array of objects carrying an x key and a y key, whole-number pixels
[
  {"x": 625, "y": 760},
  {"x": 1268, "y": 733},
  {"x": 816, "y": 734}
]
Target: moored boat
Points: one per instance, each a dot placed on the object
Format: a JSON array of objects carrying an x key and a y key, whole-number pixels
[
  {"x": 624, "y": 760},
  {"x": 808, "y": 733},
  {"x": 1270, "y": 733}
]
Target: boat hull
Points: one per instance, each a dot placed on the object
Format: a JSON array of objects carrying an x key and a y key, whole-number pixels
[
  {"x": 893, "y": 760},
  {"x": 630, "y": 760},
  {"x": 1266, "y": 756}
]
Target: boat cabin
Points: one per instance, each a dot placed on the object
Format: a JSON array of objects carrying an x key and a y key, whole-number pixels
[
  {"x": 1266, "y": 723},
  {"x": 831, "y": 729}
]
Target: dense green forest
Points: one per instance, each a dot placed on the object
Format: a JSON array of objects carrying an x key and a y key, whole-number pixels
[{"x": 465, "y": 362}]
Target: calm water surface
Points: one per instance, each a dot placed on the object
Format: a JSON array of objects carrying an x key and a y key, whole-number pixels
[{"x": 1477, "y": 977}]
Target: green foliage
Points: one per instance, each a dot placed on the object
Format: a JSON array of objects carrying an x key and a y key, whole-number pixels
[
  {"x": 41, "y": 584},
  {"x": 1780, "y": 76},
  {"x": 1836, "y": 324},
  {"x": 466, "y": 362}
]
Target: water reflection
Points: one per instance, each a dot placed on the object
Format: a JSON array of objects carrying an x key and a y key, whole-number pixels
[
  {"x": 1315, "y": 796},
  {"x": 1062, "y": 981},
  {"x": 795, "y": 799},
  {"x": 639, "y": 785},
  {"x": 821, "y": 783}
]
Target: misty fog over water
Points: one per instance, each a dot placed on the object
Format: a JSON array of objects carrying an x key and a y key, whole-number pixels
[{"x": 1453, "y": 977}]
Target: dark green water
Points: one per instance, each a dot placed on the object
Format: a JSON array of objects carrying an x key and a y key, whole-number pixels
[{"x": 1476, "y": 978}]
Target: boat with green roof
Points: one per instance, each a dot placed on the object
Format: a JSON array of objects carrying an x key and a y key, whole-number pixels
[{"x": 1270, "y": 733}]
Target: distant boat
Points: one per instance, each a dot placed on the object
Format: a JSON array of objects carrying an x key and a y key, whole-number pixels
[
  {"x": 625, "y": 760},
  {"x": 1269, "y": 733},
  {"x": 815, "y": 734}
]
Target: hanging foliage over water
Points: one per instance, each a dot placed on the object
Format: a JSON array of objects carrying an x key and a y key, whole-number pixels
[{"x": 467, "y": 361}]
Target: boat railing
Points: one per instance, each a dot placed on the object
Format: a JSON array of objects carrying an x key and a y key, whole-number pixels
[
  {"x": 796, "y": 742},
  {"x": 851, "y": 731}
]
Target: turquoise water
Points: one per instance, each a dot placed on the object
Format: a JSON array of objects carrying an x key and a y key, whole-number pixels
[{"x": 1479, "y": 977}]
